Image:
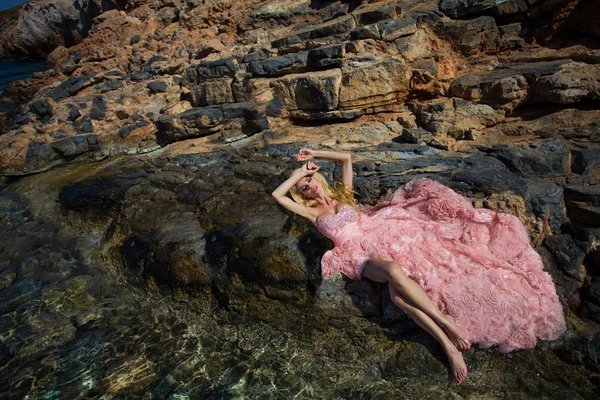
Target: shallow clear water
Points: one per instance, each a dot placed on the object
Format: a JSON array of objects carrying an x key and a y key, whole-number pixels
[{"x": 14, "y": 70}]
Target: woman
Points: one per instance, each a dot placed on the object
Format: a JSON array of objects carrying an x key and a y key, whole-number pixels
[{"x": 465, "y": 275}]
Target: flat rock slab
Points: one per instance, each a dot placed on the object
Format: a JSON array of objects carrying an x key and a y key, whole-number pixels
[{"x": 511, "y": 85}]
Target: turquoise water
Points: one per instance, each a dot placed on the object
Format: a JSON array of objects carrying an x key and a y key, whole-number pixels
[{"x": 13, "y": 70}]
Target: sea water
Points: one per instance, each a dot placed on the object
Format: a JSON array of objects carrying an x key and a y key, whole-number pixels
[{"x": 14, "y": 70}]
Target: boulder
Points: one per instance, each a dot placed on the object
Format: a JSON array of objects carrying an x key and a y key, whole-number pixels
[
  {"x": 208, "y": 70},
  {"x": 124, "y": 132},
  {"x": 44, "y": 25},
  {"x": 215, "y": 91},
  {"x": 370, "y": 84},
  {"x": 395, "y": 28},
  {"x": 70, "y": 87},
  {"x": 415, "y": 46},
  {"x": 98, "y": 110},
  {"x": 456, "y": 118},
  {"x": 277, "y": 66},
  {"x": 311, "y": 91},
  {"x": 74, "y": 146},
  {"x": 157, "y": 87},
  {"x": 471, "y": 37},
  {"x": 511, "y": 85},
  {"x": 327, "y": 56},
  {"x": 191, "y": 123},
  {"x": 42, "y": 108}
]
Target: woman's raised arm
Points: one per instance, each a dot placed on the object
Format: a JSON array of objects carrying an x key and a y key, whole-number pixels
[
  {"x": 280, "y": 193},
  {"x": 341, "y": 157}
]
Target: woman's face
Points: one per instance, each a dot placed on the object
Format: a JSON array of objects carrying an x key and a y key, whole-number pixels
[{"x": 310, "y": 187}]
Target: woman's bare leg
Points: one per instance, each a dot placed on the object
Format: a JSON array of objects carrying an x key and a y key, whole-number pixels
[
  {"x": 457, "y": 363},
  {"x": 387, "y": 271}
]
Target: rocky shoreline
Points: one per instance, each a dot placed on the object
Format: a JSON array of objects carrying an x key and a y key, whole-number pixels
[{"x": 143, "y": 256}]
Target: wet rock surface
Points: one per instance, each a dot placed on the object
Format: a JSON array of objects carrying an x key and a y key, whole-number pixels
[{"x": 141, "y": 255}]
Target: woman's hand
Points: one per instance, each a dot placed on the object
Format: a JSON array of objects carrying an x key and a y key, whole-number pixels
[
  {"x": 304, "y": 155},
  {"x": 310, "y": 168}
]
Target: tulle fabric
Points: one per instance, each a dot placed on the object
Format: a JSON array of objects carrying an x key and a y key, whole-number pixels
[{"x": 474, "y": 264}]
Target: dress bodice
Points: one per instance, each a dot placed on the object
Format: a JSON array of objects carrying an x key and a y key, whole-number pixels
[{"x": 331, "y": 225}]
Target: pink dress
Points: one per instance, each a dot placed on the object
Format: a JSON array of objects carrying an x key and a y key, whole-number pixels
[{"x": 474, "y": 264}]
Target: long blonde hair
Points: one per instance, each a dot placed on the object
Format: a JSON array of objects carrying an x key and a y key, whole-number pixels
[{"x": 340, "y": 192}]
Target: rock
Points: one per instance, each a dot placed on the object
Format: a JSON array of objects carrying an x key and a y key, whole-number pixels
[
  {"x": 98, "y": 111},
  {"x": 548, "y": 157},
  {"x": 70, "y": 87},
  {"x": 216, "y": 91},
  {"x": 591, "y": 307},
  {"x": 414, "y": 47},
  {"x": 567, "y": 254},
  {"x": 372, "y": 15},
  {"x": 372, "y": 84},
  {"x": 583, "y": 205},
  {"x": 44, "y": 25},
  {"x": 256, "y": 56},
  {"x": 546, "y": 196},
  {"x": 38, "y": 157},
  {"x": 122, "y": 114},
  {"x": 191, "y": 123},
  {"x": 222, "y": 68},
  {"x": 42, "y": 108},
  {"x": 586, "y": 164},
  {"x": 134, "y": 39},
  {"x": 309, "y": 91},
  {"x": 173, "y": 256},
  {"x": 512, "y": 85},
  {"x": 59, "y": 134},
  {"x": 393, "y": 29},
  {"x": 83, "y": 126},
  {"x": 124, "y": 132},
  {"x": 471, "y": 37},
  {"x": 457, "y": 118},
  {"x": 414, "y": 135},
  {"x": 157, "y": 87},
  {"x": 338, "y": 26},
  {"x": 463, "y": 8},
  {"x": 327, "y": 56},
  {"x": 75, "y": 145},
  {"x": 73, "y": 114},
  {"x": 426, "y": 64},
  {"x": 386, "y": 30},
  {"x": 139, "y": 76},
  {"x": 149, "y": 67},
  {"x": 108, "y": 86},
  {"x": 277, "y": 66},
  {"x": 510, "y": 36},
  {"x": 212, "y": 46}
]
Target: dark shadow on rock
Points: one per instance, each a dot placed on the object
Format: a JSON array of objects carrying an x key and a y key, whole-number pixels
[
  {"x": 313, "y": 245},
  {"x": 374, "y": 302},
  {"x": 218, "y": 254}
]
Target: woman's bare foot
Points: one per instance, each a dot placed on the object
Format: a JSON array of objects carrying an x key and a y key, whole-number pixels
[
  {"x": 457, "y": 363},
  {"x": 455, "y": 335}
]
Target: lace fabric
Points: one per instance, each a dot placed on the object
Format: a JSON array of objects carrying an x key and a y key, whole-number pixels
[{"x": 475, "y": 264}]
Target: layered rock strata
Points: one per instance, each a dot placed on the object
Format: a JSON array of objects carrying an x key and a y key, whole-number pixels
[{"x": 153, "y": 144}]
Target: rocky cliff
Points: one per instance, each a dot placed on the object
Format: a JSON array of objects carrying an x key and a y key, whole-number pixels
[{"x": 142, "y": 253}]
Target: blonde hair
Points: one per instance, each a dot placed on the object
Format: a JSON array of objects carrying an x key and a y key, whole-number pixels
[{"x": 340, "y": 192}]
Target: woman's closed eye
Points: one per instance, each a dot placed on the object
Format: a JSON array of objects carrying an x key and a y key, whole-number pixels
[{"x": 304, "y": 188}]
